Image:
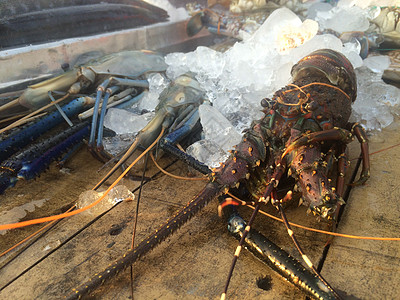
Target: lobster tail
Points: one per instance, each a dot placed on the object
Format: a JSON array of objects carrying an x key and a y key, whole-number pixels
[{"x": 173, "y": 224}]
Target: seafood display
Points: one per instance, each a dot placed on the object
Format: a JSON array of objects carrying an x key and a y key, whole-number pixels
[
  {"x": 176, "y": 114},
  {"x": 119, "y": 76},
  {"x": 228, "y": 24},
  {"x": 376, "y": 26},
  {"x": 386, "y": 24},
  {"x": 295, "y": 156},
  {"x": 125, "y": 64},
  {"x": 31, "y": 22},
  {"x": 303, "y": 129}
]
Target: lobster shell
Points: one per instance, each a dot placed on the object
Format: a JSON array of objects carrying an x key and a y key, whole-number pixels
[{"x": 333, "y": 65}]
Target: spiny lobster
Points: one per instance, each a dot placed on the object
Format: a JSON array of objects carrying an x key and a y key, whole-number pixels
[{"x": 305, "y": 129}]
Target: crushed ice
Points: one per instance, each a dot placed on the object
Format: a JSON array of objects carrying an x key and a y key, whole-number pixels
[{"x": 235, "y": 81}]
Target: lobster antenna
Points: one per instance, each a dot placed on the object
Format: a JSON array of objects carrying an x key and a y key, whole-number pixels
[
  {"x": 239, "y": 248},
  {"x": 11, "y": 104},
  {"x": 278, "y": 205},
  {"x": 279, "y": 170},
  {"x": 176, "y": 176},
  {"x": 137, "y": 214}
]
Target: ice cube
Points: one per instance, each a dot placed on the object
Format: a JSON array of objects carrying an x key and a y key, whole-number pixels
[
  {"x": 207, "y": 152},
  {"x": 377, "y": 63},
  {"x": 148, "y": 102},
  {"x": 118, "y": 144},
  {"x": 122, "y": 121},
  {"x": 377, "y": 102},
  {"x": 157, "y": 83},
  {"x": 317, "y": 7},
  {"x": 217, "y": 128},
  {"x": 343, "y": 18},
  {"x": 175, "y": 14},
  {"x": 352, "y": 52},
  {"x": 117, "y": 194}
]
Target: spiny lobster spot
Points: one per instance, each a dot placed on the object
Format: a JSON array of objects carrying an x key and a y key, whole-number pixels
[{"x": 264, "y": 283}]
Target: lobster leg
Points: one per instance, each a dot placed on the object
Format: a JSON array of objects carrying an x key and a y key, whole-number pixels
[
  {"x": 272, "y": 184},
  {"x": 340, "y": 184},
  {"x": 334, "y": 134},
  {"x": 116, "y": 84},
  {"x": 342, "y": 162},
  {"x": 359, "y": 132},
  {"x": 99, "y": 146}
]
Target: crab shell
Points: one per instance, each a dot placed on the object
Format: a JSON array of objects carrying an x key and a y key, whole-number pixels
[{"x": 332, "y": 65}]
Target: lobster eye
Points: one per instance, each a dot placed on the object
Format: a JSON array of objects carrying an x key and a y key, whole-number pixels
[
  {"x": 180, "y": 98},
  {"x": 266, "y": 102},
  {"x": 311, "y": 106}
]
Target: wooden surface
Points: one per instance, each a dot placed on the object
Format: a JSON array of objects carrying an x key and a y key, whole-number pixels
[
  {"x": 194, "y": 262},
  {"x": 371, "y": 269}
]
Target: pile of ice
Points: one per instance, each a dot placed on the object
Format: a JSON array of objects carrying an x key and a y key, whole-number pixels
[
  {"x": 236, "y": 81},
  {"x": 377, "y": 103}
]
